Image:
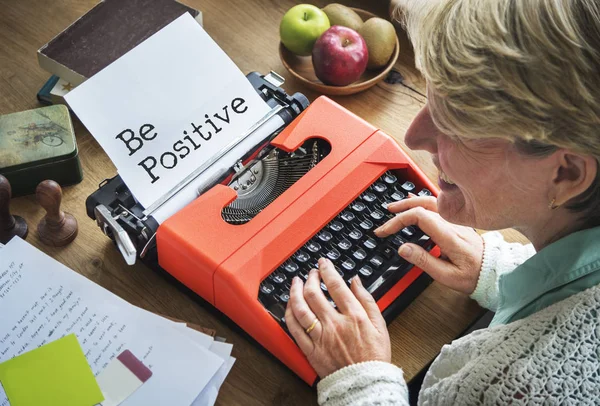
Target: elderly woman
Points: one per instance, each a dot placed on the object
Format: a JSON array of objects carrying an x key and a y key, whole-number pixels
[{"x": 513, "y": 125}]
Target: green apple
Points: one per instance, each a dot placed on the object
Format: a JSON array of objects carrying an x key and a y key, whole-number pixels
[{"x": 301, "y": 26}]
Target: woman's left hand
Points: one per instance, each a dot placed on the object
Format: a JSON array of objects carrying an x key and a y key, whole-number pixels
[{"x": 335, "y": 339}]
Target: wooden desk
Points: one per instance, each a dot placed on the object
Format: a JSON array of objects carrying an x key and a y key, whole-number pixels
[{"x": 249, "y": 32}]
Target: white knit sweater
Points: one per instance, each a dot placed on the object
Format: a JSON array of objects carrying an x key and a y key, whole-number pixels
[{"x": 551, "y": 357}]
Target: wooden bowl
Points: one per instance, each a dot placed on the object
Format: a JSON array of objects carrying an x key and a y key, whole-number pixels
[{"x": 301, "y": 68}]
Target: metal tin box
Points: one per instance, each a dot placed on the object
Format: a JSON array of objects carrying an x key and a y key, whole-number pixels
[{"x": 36, "y": 145}]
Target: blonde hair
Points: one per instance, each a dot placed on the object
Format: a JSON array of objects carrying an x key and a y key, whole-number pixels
[{"x": 523, "y": 70}]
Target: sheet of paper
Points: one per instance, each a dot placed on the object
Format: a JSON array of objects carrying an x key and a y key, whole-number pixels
[
  {"x": 209, "y": 394},
  {"x": 223, "y": 350},
  {"x": 48, "y": 300},
  {"x": 54, "y": 374},
  {"x": 166, "y": 107},
  {"x": 204, "y": 340}
]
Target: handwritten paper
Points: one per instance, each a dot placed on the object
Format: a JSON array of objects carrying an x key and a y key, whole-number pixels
[
  {"x": 48, "y": 301},
  {"x": 54, "y": 374},
  {"x": 166, "y": 107}
]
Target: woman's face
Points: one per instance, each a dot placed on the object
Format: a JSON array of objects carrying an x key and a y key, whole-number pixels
[{"x": 483, "y": 183}]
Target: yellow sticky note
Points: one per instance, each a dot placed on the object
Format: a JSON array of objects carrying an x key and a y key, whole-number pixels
[{"x": 54, "y": 374}]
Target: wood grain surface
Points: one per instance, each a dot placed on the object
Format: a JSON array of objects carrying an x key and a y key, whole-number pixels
[{"x": 248, "y": 31}]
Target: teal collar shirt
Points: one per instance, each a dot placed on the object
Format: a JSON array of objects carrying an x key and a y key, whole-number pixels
[{"x": 563, "y": 268}]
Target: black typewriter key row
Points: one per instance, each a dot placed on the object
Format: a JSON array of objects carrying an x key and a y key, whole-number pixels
[{"x": 349, "y": 242}]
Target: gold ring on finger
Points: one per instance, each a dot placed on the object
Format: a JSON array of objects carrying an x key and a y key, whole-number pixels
[{"x": 312, "y": 326}]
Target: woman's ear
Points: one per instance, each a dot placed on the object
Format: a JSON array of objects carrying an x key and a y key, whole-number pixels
[{"x": 574, "y": 174}]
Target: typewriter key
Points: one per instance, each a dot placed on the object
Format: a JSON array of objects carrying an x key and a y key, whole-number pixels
[
  {"x": 389, "y": 178},
  {"x": 333, "y": 254},
  {"x": 370, "y": 243},
  {"x": 278, "y": 278},
  {"x": 365, "y": 271},
  {"x": 302, "y": 256},
  {"x": 425, "y": 192},
  {"x": 388, "y": 252},
  {"x": 377, "y": 215},
  {"x": 397, "y": 196},
  {"x": 291, "y": 267},
  {"x": 358, "y": 206},
  {"x": 348, "y": 264},
  {"x": 355, "y": 234},
  {"x": 376, "y": 261},
  {"x": 366, "y": 224},
  {"x": 344, "y": 244},
  {"x": 336, "y": 226},
  {"x": 408, "y": 232},
  {"x": 407, "y": 187},
  {"x": 325, "y": 236},
  {"x": 379, "y": 187},
  {"x": 360, "y": 254},
  {"x": 266, "y": 288},
  {"x": 369, "y": 197},
  {"x": 348, "y": 216},
  {"x": 313, "y": 246}
]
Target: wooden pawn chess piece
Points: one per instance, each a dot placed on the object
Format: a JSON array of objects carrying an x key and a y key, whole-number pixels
[
  {"x": 9, "y": 225},
  {"x": 57, "y": 228}
]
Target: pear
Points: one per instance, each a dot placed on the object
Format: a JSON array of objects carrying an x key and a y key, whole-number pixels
[
  {"x": 339, "y": 14},
  {"x": 380, "y": 36}
]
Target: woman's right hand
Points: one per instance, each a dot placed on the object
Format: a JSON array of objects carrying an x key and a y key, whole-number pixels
[{"x": 462, "y": 248}]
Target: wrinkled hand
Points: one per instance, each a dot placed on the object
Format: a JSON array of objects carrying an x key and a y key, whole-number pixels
[
  {"x": 461, "y": 247},
  {"x": 355, "y": 333}
]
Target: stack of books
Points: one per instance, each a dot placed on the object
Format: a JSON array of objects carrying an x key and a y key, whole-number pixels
[{"x": 98, "y": 38}]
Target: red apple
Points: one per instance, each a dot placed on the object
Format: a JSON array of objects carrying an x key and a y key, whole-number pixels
[{"x": 340, "y": 56}]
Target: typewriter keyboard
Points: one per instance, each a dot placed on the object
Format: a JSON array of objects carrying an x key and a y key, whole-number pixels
[{"x": 349, "y": 242}]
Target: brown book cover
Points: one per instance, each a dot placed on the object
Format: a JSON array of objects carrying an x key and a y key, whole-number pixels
[{"x": 105, "y": 33}]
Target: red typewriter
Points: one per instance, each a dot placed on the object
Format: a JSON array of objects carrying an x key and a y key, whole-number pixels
[
  {"x": 337, "y": 173},
  {"x": 317, "y": 188}
]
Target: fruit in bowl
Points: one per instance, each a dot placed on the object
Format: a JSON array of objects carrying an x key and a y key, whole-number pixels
[
  {"x": 301, "y": 26},
  {"x": 340, "y": 56},
  {"x": 339, "y": 14},
  {"x": 380, "y": 36}
]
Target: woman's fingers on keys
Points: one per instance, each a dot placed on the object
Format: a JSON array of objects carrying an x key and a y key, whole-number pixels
[
  {"x": 429, "y": 222},
  {"x": 426, "y": 202},
  {"x": 368, "y": 303},
  {"x": 437, "y": 268},
  {"x": 315, "y": 298},
  {"x": 341, "y": 294},
  {"x": 297, "y": 331},
  {"x": 299, "y": 307}
]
